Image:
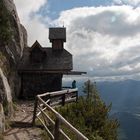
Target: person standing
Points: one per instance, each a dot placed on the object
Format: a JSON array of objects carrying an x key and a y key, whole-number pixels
[{"x": 74, "y": 84}]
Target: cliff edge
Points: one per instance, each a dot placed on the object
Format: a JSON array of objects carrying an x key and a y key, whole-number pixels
[{"x": 13, "y": 38}]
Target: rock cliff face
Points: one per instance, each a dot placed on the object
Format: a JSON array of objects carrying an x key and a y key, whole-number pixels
[{"x": 13, "y": 38}]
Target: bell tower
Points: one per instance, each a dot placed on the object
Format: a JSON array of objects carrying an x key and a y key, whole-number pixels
[{"x": 57, "y": 37}]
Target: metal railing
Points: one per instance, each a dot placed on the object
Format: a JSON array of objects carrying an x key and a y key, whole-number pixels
[{"x": 50, "y": 118}]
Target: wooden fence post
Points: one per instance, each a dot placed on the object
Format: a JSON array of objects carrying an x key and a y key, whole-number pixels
[
  {"x": 76, "y": 96},
  {"x": 56, "y": 131},
  {"x": 63, "y": 100},
  {"x": 35, "y": 110}
]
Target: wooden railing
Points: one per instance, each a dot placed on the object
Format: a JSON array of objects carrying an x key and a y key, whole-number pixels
[{"x": 51, "y": 119}]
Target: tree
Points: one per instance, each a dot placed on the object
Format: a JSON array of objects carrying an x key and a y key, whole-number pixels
[
  {"x": 5, "y": 31},
  {"x": 98, "y": 118},
  {"x": 91, "y": 115}
]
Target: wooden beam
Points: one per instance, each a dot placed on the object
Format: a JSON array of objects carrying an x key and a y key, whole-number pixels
[
  {"x": 56, "y": 131},
  {"x": 48, "y": 131},
  {"x": 66, "y": 72},
  {"x": 35, "y": 111}
]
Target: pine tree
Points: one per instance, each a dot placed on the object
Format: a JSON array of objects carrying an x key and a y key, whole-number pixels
[
  {"x": 91, "y": 115},
  {"x": 98, "y": 119}
]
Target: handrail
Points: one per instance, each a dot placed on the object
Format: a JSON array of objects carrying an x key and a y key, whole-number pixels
[
  {"x": 61, "y": 92},
  {"x": 45, "y": 106}
]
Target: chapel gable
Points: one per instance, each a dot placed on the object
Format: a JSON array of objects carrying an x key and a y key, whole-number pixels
[{"x": 37, "y": 54}]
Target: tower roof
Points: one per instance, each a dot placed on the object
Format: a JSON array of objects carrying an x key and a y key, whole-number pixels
[{"x": 57, "y": 33}]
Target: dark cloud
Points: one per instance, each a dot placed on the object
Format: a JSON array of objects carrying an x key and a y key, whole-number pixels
[{"x": 109, "y": 23}]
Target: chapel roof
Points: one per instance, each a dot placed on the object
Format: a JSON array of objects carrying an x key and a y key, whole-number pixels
[{"x": 53, "y": 60}]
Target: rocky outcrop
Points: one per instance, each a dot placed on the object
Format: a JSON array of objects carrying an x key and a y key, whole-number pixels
[
  {"x": 20, "y": 34},
  {"x": 13, "y": 38},
  {"x": 2, "y": 119}
]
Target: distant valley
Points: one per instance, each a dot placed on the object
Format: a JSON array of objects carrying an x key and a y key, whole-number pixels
[{"x": 125, "y": 99}]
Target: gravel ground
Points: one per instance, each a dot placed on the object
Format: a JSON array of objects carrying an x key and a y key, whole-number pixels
[{"x": 21, "y": 128}]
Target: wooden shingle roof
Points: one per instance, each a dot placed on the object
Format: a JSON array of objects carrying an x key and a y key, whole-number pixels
[{"x": 53, "y": 60}]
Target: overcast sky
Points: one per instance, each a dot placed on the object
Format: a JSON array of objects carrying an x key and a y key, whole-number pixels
[{"x": 102, "y": 35}]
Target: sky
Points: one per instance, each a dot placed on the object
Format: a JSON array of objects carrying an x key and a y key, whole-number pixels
[{"x": 102, "y": 35}]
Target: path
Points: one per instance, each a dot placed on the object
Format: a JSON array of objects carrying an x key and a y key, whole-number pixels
[{"x": 21, "y": 128}]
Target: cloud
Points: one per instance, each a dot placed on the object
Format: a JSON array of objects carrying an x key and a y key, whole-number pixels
[
  {"x": 105, "y": 41},
  {"x": 27, "y": 7},
  {"x": 106, "y": 23},
  {"x": 128, "y": 2},
  {"x": 29, "y": 17}
]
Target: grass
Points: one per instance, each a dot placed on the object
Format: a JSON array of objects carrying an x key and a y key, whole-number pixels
[
  {"x": 1, "y": 136},
  {"x": 44, "y": 135}
]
